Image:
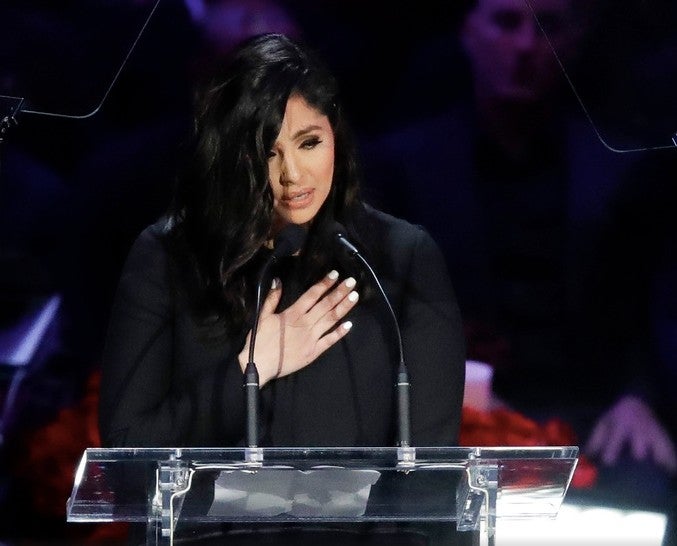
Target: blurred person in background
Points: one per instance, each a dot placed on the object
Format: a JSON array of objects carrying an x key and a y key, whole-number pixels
[{"x": 516, "y": 187}]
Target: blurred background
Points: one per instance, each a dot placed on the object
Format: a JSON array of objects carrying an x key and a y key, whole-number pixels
[{"x": 535, "y": 139}]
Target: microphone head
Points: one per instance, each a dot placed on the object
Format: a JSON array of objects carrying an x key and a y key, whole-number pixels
[
  {"x": 339, "y": 234},
  {"x": 336, "y": 229},
  {"x": 289, "y": 241}
]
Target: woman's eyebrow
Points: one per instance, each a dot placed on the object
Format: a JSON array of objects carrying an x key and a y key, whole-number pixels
[{"x": 305, "y": 130}]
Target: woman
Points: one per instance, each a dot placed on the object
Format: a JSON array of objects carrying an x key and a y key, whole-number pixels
[{"x": 272, "y": 148}]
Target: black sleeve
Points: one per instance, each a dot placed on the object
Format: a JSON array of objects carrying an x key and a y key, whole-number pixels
[
  {"x": 434, "y": 347},
  {"x": 147, "y": 398}
]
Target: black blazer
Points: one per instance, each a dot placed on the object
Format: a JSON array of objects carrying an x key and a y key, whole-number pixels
[{"x": 169, "y": 381}]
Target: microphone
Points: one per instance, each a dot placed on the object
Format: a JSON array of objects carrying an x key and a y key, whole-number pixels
[
  {"x": 287, "y": 242},
  {"x": 403, "y": 385}
]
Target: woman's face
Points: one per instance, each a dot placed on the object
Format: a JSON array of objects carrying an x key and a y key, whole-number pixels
[{"x": 301, "y": 164}]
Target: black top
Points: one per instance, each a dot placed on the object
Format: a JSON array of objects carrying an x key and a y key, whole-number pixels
[{"x": 170, "y": 381}]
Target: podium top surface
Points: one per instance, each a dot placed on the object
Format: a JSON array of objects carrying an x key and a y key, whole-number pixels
[
  {"x": 344, "y": 454},
  {"x": 318, "y": 484}
]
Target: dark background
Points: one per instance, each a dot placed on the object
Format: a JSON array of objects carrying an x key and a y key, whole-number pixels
[{"x": 75, "y": 192}]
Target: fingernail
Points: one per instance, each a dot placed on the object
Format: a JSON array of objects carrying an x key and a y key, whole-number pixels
[
  {"x": 353, "y": 296},
  {"x": 350, "y": 282},
  {"x": 347, "y": 325},
  {"x": 333, "y": 275},
  {"x": 275, "y": 283}
]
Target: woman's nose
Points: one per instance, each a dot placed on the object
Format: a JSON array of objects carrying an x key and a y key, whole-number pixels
[{"x": 289, "y": 173}]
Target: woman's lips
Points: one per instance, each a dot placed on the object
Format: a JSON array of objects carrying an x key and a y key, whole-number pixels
[{"x": 298, "y": 200}]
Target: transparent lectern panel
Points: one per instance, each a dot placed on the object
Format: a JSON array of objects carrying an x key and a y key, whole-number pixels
[
  {"x": 322, "y": 493},
  {"x": 532, "y": 487},
  {"x": 62, "y": 57},
  {"x": 112, "y": 486},
  {"x": 619, "y": 61},
  {"x": 202, "y": 486}
]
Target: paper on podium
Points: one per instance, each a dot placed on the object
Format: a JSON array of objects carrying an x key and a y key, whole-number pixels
[{"x": 324, "y": 491}]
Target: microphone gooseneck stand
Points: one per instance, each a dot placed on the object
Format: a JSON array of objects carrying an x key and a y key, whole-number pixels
[
  {"x": 403, "y": 385},
  {"x": 288, "y": 242}
]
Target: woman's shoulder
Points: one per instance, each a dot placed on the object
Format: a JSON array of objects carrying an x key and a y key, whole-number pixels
[
  {"x": 154, "y": 236},
  {"x": 150, "y": 248},
  {"x": 383, "y": 226},
  {"x": 402, "y": 250}
]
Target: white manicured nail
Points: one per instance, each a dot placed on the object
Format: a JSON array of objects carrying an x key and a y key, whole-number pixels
[
  {"x": 350, "y": 282},
  {"x": 353, "y": 296},
  {"x": 333, "y": 274},
  {"x": 275, "y": 283},
  {"x": 347, "y": 325}
]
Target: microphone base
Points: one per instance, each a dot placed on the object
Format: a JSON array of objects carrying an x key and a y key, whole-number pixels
[
  {"x": 406, "y": 457},
  {"x": 253, "y": 456}
]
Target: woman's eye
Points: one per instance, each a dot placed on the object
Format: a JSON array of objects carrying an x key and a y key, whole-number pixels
[
  {"x": 271, "y": 154},
  {"x": 310, "y": 143}
]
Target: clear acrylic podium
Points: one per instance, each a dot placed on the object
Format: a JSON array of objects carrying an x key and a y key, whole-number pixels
[{"x": 178, "y": 490}]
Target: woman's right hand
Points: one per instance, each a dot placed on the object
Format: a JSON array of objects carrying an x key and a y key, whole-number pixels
[{"x": 290, "y": 340}]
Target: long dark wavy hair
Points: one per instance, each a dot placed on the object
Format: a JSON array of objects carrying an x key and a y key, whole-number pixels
[{"x": 222, "y": 211}]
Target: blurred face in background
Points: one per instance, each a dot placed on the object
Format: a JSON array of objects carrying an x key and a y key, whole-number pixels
[{"x": 510, "y": 57}]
